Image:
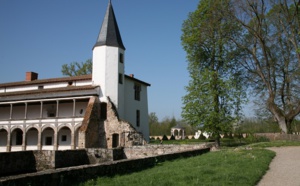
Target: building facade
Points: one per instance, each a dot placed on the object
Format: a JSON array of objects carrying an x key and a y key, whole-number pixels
[{"x": 105, "y": 109}]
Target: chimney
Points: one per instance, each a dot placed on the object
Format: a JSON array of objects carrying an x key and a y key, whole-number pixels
[
  {"x": 131, "y": 75},
  {"x": 31, "y": 76}
]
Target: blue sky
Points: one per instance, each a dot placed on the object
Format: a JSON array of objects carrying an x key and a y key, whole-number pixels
[{"x": 41, "y": 36}]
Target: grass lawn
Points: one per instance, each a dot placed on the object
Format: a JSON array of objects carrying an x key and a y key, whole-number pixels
[
  {"x": 228, "y": 166},
  {"x": 224, "y": 167}
]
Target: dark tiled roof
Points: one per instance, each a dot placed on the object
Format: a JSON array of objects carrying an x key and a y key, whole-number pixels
[
  {"x": 52, "y": 80},
  {"x": 109, "y": 33},
  {"x": 50, "y": 93},
  {"x": 137, "y": 80}
]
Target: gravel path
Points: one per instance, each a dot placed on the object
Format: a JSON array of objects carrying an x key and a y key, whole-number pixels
[{"x": 284, "y": 168}]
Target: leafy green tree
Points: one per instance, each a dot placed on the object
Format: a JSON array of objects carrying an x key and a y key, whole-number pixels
[
  {"x": 269, "y": 42},
  {"x": 77, "y": 68},
  {"x": 154, "y": 124},
  {"x": 215, "y": 91}
]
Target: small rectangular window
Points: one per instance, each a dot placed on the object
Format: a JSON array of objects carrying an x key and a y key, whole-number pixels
[
  {"x": 137, "y": 92},
  {"x": 19, "y": 137},
  {"x": 121, "y": 58},
  {"x": 48, "y": 141},
  {"x": 121, "y": 78},
  {"x": 40, "y": 87},
  {"x": 103, "y": 111},
  {"x": 64, "y": 138},
  {"x": 137, "y": 118}
]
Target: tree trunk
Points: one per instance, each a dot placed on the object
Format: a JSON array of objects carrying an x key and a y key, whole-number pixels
[
  {"x": 217, "y": 139},
  {"x": 289, "y": 126},
  {"x": 283, "y": 125},
  {"x": 279, "y": 116}
]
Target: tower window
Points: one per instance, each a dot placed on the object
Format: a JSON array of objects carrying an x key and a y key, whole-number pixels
[
  {"x": 120, "y": 78},
  {"x": 121, "y": 58},
  {"x": 137, "y": 118},
  {"x": 137, "y": 92}
]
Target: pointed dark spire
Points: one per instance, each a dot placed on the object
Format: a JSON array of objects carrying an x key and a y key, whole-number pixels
[{"x": 109, "y": 34}]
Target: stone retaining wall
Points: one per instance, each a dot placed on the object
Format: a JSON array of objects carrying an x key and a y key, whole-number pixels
[
  {"x": 13, "y": 163},
  {"x": 279, "y": 136},
  {"x": 17, "y": 163},
  {"x": 72, "y": 175},
  {"x": 155, "y": 150}
]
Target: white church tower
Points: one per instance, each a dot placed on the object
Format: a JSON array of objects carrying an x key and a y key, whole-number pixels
[{"x": 108, "y": 61}]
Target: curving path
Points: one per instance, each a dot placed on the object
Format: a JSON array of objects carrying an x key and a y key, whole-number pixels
[{"x": 284, "y": 169}]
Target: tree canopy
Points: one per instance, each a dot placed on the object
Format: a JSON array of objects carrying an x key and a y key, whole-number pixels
[
  {"x": 77, "y": 68},
  {"x": 269, "y": 44},
  {"x": 233, "y": 44},
  {"x": 215, "y": 91}
]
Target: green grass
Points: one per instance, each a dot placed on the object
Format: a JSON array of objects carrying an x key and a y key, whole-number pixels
[
  {"x": 232, "y": 165},
  {"x": 224, "y": 167},
  {"x": 281, "y": 143}
]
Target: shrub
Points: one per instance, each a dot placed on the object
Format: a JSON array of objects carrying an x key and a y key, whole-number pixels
[
  {"x": 238, "y": 136},
  {"x": 202, "y": 137},
  {"x": 165, "y": 138},
  {"x": 172, "y": 137},
  {"x": 262, "y": 139},
  {"x": 226, "y": 136},
  {"x": 230, "y": 136}
]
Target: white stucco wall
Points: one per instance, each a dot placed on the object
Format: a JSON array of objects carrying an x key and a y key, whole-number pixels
[
  {"x": 64, "y": 132},
  {"x": 131, "y": 105},
  {"x": 106, "y": 70},
  {"x": 3, "y": 138},
  {"x": 47, "y": 133},
  {"x": 33, "y": 111},
  {"x": 32, "y": 137},
  {"x": 4, "y": 112}
]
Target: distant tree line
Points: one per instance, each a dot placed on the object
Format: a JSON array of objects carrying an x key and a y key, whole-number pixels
[
  {"x": 263, "y": 125},
  {"x": 163, "y": 127}
]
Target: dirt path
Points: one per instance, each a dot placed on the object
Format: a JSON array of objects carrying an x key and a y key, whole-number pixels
[{"x": 284, "y": 168}]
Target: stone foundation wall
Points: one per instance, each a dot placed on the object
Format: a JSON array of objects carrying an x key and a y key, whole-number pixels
[
  {"x": 70, "y": 158},
  {"x": 279, "y": 136},
  {"x": 97, "y": 155},
  {"x": 127, "y": 134},
  {"x": 155, "y": 150},
  {"x": 13, "y": 163},
  {"x": 17, "y": 163},
  {"x": 88, "y": 136},
  {"x": 72, "y": 175},
  {"x": 43, "y": 159}
]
